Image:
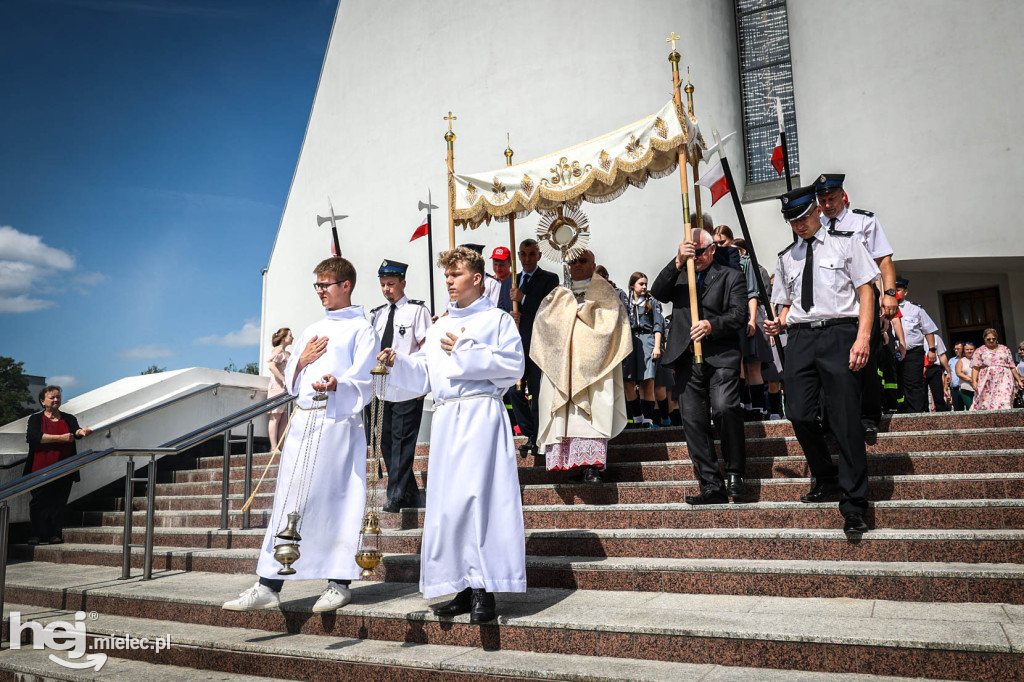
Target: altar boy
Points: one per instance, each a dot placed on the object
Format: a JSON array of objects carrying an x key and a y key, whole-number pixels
[
  {"x": 328, "y": 489},
  {"x": 474, "y": 542}
]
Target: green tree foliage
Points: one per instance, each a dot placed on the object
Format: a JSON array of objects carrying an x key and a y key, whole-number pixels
[
  {"x": 13, "y": 391},
  {"x": 251, "y": 368},
  {"x": 153, "y": 369}
]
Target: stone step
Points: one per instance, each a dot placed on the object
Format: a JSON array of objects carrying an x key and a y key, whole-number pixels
[
  {"x": 893, "y": 580},
  {"x": 216, "y": 651},
  {"x": 964, "y": 641},
  {"x": 672, "y": 447},
  {"x": 208, "y": 481},
  {"x": 899, "y": 545},
  {"x": 931, "y": 487},
  {"x": 937, "y": 514}
]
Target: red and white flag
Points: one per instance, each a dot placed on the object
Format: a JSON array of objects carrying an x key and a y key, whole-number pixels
[
  {"x": 714, "y": 179},
  {"x": 421, "y": 231},
  {"x": 777, "y": 161}
]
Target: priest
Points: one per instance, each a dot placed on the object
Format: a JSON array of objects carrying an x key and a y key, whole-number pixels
[
  {"x": 474, "y": 541},
  {"x": 582, "y": 404},
  {"x": 329, "y": 488}
]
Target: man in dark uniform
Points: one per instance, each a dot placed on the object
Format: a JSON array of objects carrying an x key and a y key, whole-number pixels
[
  {"x": 865, "y": 226},
  {"x": 401, "y": 324},
  {"x": 722, "y": 303},
  {"x": 823, "y": 282},
  {"x": 534, "y": 283}
]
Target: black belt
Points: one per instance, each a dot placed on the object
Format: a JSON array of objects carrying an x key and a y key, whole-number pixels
[
  {"x": 641, "y": 330},
  {"x": 819, "y": 324}
]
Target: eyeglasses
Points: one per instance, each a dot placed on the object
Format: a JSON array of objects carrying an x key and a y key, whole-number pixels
[
  {"x": 581, "y": 261},
  {"x": 990, "y": 338},
  {"x": 324, "y": 286}
]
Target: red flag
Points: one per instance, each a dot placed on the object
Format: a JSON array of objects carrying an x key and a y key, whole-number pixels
[
  {"x": 421, "y": 231},
  {"x": 777, "y": 161},
  {"x": 714, "y": 179}
]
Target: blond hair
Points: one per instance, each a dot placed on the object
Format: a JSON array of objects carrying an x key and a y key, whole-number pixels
[{"x": 473, "y": 261}]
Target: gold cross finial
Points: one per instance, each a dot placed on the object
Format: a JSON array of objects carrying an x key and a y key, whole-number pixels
[
  {"x": 672, "y": 39},
  {"x": 450, "y": 118}
]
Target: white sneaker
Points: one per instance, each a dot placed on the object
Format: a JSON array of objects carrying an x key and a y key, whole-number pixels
[
  {"x": 334, "y": 597},
  {"x": 256, "y": 597}
]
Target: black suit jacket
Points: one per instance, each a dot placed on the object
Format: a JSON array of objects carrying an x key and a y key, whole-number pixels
[
  {"x": 722, "y": 302},
  {"x": 34, "y": 437},
  {"x": 540, "y": 285}
]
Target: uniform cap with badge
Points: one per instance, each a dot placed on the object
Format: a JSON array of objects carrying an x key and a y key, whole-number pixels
[
  {"x": 798, "y": 203},
  {"x": 392, "y": 268},
  {"x": 828, "y": 182}
]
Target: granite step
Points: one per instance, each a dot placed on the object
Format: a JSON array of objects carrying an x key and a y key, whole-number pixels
[
  {"x": 913, "y": 487},
  {"x": 214, "y": 652},
  {"x": 824, "y": 544},
  {"x": 208, "y": 481},
  {"x": 669, "y": 444},
  {"x": 893, "y": 580},
  {"x": 937, "y": 640},
  {"x": 937, "y": 514}
]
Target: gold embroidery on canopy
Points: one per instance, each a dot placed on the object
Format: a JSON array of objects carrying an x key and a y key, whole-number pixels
[
  {"x": 606, "y": 160},
  {"x": 661, "y": 127},
  {"x": 633, "y": 148},
  {"x": 498, "y": 192},
  {"x": 565, "y": 174},
  {"x": 471, "y": 193},
  {"x": 527, "y": 184}
]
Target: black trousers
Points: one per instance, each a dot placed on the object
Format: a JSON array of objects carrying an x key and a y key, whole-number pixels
[
  {"x": 933, "y": 377},
  {"x": 870, "y": 382},
  {"x": 47, "y": 508},
  {"x": 719, "y": 386},
  {"x": 817, "y": 358},
  {"x": 958, "y": 402},
  {"x": 525, "y": 411},
  {"x": 915, "y": 397},
  {"x": 398, "y": 448}
]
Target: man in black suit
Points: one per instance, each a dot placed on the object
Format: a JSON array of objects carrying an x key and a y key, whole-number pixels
[
  {"x": 722, "y": 312},
  {"x": 533, "y": 285}
]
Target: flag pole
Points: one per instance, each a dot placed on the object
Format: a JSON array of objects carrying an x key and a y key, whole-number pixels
[
  {"x": 694, "y": 162},
  {"x": 449, "y": 137},
  {"x": 430, "y": 245},
  {"x": 782, "y": 140},
  {"x": 761, "y": 289},
  {"x": 691, "y": 273},
  {"x": 511, "y": 225}
]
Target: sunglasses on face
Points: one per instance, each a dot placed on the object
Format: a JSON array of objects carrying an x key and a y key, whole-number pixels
[
  {"x": 581, "y": 261},
  {"x": 697, "y": 253},
  {"x": 990, "y": 338}
]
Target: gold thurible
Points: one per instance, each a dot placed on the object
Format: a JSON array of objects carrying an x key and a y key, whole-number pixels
[
  {"x": 287, "y": 553},
  {"x": 368, "y": 556}
]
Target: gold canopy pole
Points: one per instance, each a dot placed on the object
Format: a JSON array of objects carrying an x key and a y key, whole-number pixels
[
  {"x": 449, "y": 137},
  {"x": 511, "y": 226},
  {"x": 694, "y": 161},
  {"x": 691, "y": 274}
]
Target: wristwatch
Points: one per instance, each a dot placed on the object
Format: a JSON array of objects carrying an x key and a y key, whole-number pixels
[
  {"x": 932, "y": 349},
  {"x": 889, "y": 292}
]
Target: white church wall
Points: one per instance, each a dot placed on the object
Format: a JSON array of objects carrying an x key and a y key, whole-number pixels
[{"x": 550, "y": 74}]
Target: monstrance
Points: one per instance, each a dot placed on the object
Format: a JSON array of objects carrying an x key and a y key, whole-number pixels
[{"x": 563, "y": 236}]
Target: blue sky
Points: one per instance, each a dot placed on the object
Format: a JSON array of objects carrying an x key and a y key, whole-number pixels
[{"x": 146, "y": 149}]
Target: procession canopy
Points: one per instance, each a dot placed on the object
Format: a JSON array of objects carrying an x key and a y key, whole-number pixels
[{"x": 598, "y": 171}]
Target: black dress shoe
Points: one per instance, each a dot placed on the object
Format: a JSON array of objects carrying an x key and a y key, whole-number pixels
[
  {"x": 392, "y": 507},
  {"x": 735, "y": 486},
  {"x": 592, "y": 475},
  {"x": 854, "y": 525},
  {"x": 482, "y": 610},
  {"x": 462, "y": 603},
  {"x": 708, "y": 497},
  {"x": 823, "y": 491}
]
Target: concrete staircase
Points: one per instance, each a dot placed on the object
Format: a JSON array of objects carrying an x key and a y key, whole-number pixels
[{"x": 626, "y": 580}]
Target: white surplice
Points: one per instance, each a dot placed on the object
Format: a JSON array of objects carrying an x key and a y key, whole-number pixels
[
  {"x": 333, "y": 512},
  {"x": 473, "y": 533}
]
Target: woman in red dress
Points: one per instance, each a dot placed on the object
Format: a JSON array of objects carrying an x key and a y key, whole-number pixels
[{"x": 51, "y": 438}]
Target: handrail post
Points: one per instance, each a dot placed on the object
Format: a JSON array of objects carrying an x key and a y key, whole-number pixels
[
  {"x": 126, "y": 535},
  {"x": 147, "y": 569},
  {"x": 248, "y": 472},
  {"x": 5, "y": 516},
  {"x": 225, "y": 487}
]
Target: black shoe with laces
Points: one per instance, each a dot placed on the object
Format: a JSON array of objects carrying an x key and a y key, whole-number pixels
[
  {"x": 482, "y": 609},
  {"x": 462, "y": 603}
]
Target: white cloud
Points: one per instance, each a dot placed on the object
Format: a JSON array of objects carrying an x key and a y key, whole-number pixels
[
  {"x": 150, "y": 352},
  {"x": 62, "y": 380},
  {"x": 23, "y": 304},
  {"x": 248, "y": 335},
  {"x": 29, "y": 248},
  {"x": 89, "y": 279}
]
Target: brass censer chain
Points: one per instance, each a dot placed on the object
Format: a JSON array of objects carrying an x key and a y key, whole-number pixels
[
  {"x": 287, "y": 551},
  {"x": 368, "y": 555}
]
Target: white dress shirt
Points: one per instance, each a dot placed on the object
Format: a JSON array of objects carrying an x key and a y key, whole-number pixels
[
  {"x": 916, "y": 324},
  {"x": 412, "y": 319},
  {"x": 865, "y": 227}
]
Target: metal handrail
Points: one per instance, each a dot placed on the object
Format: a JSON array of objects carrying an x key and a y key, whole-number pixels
[{"x": 81, "y": 460}]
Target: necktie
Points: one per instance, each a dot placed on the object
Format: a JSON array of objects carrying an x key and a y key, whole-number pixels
[
  {"x": 807, "y": 283},
  {"x": 389, "y": 330},
  {"x": 832, "y": 225},
  {"x": 525, "y": 280}
]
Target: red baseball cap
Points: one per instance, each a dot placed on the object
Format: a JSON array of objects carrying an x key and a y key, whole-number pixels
[{"x": 501, "y": 253}]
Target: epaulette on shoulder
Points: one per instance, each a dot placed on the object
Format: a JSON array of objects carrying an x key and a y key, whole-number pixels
[
  {"x": 783, "y": 252},
  {"x": 412, "y": 300},
  {"x": 864, "y": 212},
  {"x": 374, "y": 310},
  {"x": 492, "y": 277},
  {"x": 841, "y": 233}
]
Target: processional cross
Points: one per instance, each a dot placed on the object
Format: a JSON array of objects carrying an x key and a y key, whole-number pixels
[
  {"x": 450, "y": 118},
  {"x": 672, "y": 39}
]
